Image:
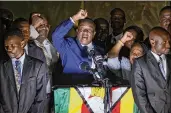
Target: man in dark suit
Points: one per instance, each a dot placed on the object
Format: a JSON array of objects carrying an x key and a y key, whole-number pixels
[
  {"x": 31, "y": 48},
  {"x": 23, "y": 79},
  {"x": 151, "y": 74}
]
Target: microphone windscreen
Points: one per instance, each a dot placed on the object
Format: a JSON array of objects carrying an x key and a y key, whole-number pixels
[{"x": 85, "y": 66}]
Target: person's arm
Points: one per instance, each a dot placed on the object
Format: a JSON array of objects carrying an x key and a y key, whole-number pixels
[
  {"x": 139, "y": 89},
  {"x": 115, "y": 64},
  {"x": 58, "y": 35},
  {"x": 114, "y": 52},
  {"x": 42, "y": 79}
]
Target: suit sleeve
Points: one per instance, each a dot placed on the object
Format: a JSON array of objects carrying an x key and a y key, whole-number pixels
[
  {"x": 139, "y": 89},
  {"x": 59, "y": 42},
  {"x": 40, "y": 98}
]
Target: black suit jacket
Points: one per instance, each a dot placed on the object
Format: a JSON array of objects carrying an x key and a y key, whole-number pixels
[
  {"x": 32, "y": 93},
  {"x": 150, "y": 90}
]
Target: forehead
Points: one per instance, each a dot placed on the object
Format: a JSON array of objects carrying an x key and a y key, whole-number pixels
[
  {"x": 13, "y": 39},
  {"x": 24, "y": 24},
  {"x": 117, "y": 13},
  {"x": 86, "y": 25},
  {"x": 166, "y": 12},
  {"x": 137, "y": 48}
]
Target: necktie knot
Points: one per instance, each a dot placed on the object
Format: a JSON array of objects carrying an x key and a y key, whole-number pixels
[{"x": 17, "y": 63}]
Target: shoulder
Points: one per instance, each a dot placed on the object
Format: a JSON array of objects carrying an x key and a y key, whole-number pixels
[{"x": 34, "y": 60}]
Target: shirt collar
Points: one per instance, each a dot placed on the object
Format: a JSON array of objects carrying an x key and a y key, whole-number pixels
[
  {"x": 21, "y": 59},
  {"x": 157, "y": 56},
  {"x": 90, "y": 45},
  {"x": 26, "y": 48}
]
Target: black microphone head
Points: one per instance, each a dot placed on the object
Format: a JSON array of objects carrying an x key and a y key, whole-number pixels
[
  {"x": 85, "y": 66},
  {"x": 91, "y": 52}
]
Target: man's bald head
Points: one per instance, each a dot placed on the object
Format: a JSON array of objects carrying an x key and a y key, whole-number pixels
[
  {"x": 159, "y": 40},
  {"x": 158, "y": 31}
]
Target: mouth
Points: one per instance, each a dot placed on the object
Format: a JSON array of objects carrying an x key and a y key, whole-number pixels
[{"x": 84, "y": 38}]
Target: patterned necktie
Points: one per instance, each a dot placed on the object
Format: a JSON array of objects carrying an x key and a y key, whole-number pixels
[
  {"x": 18, "y": 74},
  {"x": 47, "y": 56},
  {"x": 162, "y": 67}
]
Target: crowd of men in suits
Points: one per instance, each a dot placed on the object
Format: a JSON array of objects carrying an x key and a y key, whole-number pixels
[{"x": 29, "y": 60}]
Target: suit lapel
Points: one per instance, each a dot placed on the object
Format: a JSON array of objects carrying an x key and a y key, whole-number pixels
[
  {"x": 158, "y": 74},
  {"x": 10, "y": 73},
  {"x": 168, "y": 62},
  {"x": 25, "y": 74},
  {"x": 26, "y": 69}
]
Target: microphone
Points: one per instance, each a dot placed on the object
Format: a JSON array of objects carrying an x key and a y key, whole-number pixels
[
  {"x": 86, "y": 67},
  {"x": 99, "y": 62}
]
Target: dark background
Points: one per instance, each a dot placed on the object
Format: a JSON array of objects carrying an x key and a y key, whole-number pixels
[{"x": 143, "y": 14}]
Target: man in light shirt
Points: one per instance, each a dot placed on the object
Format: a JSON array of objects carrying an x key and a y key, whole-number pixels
[{"x": 150, "y": 79}]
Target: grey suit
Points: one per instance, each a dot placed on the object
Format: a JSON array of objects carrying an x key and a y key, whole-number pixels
[
  {"x": 32, "y": 95},
  {"x": 150, "y": 90},
  {"x": 35, "y": 51}
]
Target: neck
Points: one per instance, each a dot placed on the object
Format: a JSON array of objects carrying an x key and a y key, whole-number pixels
[
  {"x": 21, "y": 54},
  {"x": 117, "y": 31},
  {"x": 40, "y": 39},
  {"x": 154, "y": 51}
]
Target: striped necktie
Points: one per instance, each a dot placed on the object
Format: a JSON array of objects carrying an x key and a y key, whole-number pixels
[{"x": 161, "y": 65}]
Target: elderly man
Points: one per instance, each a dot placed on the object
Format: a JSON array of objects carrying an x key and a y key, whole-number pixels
[{"x": 150, "y": 78}]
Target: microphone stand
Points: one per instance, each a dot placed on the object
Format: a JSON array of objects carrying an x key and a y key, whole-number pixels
[
  {"x": 107, "y": 86},
  {"x": 105, "y": 81}
]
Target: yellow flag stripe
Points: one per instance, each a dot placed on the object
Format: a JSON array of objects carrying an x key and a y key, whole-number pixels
[
  {"x": 75, "y": 102},
  {"x": 127, "y": 103}
]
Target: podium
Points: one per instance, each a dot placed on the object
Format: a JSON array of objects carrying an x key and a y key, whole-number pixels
[{"x": 89, "y": 98}]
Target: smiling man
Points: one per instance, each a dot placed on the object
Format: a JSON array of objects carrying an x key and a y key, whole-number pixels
[{"x": 72, "y": 50}]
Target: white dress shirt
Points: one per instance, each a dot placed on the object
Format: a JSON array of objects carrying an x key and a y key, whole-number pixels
[
  {"x": 21, "y": 59},
  {"x": 115, "y": 64},
  {"x": 163, "y": 59}
]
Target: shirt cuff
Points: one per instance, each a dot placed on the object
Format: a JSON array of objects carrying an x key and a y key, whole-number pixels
[
  {"x": 33, "y": 33},
  {"x": 72, "y": 20}
]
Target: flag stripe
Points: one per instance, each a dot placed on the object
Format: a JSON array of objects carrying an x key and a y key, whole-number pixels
[
  {"x": 127, "y": 103},
  {"x": 75, "y": 102},
  {"x": 84, "y": 100}
]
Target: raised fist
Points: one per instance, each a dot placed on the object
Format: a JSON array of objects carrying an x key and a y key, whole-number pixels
[
  {"x": 36, "y": 20},
  {"x": 128, "y": 36},
  {"x": 82, "y": 14}
]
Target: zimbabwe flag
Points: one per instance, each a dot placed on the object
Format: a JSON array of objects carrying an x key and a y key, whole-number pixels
[{"x": 90, "y": 100}]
